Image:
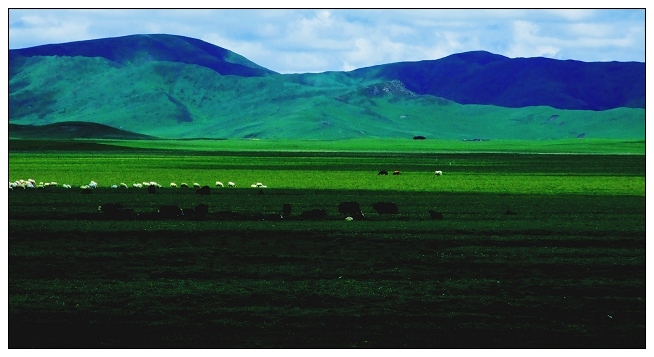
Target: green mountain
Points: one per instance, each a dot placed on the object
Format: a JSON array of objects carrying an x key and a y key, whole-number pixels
[{"x": 177, "y": 87}]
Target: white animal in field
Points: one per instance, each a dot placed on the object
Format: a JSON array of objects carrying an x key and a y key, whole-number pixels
[
  {"x": 53, "y": 184},
  {"x": 137, "y": 185},
  {"x": 114, "y": 186},
  {"x": 93, "y": 184},
  {"x": 123, "y": 185},
  {"x": 66, "y": 186},
  {"x": 438, "y": 173},
  {"x": 172, "y": 184},
  {"x": 219, "y": 184},
  {"x": 183, "y": 184},
  {"x": 231, "y": 184},
  {"x": 196, "y": 185}
]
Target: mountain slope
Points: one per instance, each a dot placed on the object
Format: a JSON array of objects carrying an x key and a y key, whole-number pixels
[
  {"x": 176, "y": 87},
  {"x": 136, "y": 49},
  {"x": 485, "y": 78}
]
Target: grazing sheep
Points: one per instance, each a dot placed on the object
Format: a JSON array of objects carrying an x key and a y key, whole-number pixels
[
  {"x": 219, "y": 184},
  {"x": 67, "y": 186},
  {"x": 438, "y": 173},
  {"x": 183, "y": 185},
  {"x": 137, "y": 185},
  {"x": 123, "y": 185},
  {"x": 196, "y": 185},
  {"x": 93, "y": 184},
  {"x": 114, "y": 186},
  {"x": 231, "y": 184},
  {"x": 349, "y": 219},
  {"x": 172, "y": 184}
]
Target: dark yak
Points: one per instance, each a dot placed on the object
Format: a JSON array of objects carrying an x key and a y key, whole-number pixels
[
  {"x": 286, "y": 210},
  {"x": 435, "y": 215},
  {"x": 385, "y": 208},
  {"x": 201, "y": 211},
  {"x": 152, "y": 189},
  {"x": 396, "y": 172},
  {"x": 313, "y": 214},
  {"x": 349, "y": 208},
  {"x": 169, "y": 211},
  {"x": 383, "y": 172},
  {"x": 204, "y": 191}
]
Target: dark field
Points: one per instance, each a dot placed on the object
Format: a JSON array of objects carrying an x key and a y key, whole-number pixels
[{"x": 499, "y": 270}]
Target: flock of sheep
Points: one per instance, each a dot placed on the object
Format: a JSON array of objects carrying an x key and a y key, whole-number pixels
[{"x": 31, "y": 183}]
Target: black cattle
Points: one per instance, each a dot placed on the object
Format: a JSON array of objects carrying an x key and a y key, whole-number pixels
[
  {"x": 435, "y": 215},
  {"x": 385, "y": 208},
  {"x": 109, "y": 208},
  {"x": 349, "y": 209},
  {"x": 286, "y": 210},
  {"x": 204, "y": 191},
  {"x": 396, "y": 173},
  {"x": 124, "y": 213},
  {"x": 188, "y": 213},
  {"x": 116, "y": 211},
  {"x": 313, "y": 214},
  {"x": 152, "y": 189},
  {"x": 383, "y": 172},
  {"x": 201, "y": 211},
  {"x": 169, "y": 211}
]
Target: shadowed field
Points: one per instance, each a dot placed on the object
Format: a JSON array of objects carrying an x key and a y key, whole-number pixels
[{"x": 534, "y": 260}]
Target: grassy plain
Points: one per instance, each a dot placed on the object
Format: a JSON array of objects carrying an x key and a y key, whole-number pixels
[{"x": 566, "y": 270}]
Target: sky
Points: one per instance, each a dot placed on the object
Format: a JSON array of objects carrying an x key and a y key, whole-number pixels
[{"x": 289, "y": 40}]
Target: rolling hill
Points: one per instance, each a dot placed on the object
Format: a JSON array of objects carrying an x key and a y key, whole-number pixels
[{"x": 178, "y": 87}]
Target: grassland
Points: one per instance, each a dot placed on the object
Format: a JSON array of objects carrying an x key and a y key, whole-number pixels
[{"x": 534, "y": 251}]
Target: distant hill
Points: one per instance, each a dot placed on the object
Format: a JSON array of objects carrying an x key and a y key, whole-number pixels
[
  {"x": 178, "y": 87},
  {"x": 133, "y": 49},
  {"x": 72, "y": 130},
  {"x": 484, "y": 78}
]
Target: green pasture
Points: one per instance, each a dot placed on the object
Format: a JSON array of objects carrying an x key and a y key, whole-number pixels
[
  {"x": 487, "y": 173},
  {"x": 534, "y": 250}
]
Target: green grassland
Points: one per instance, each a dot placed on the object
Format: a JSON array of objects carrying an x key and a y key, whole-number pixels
[
  {"x": 534, "y": 250},
  {"x": 174, "y": 100}
]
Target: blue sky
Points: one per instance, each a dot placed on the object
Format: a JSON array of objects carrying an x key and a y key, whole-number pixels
[{"x": 318, "y": 40}]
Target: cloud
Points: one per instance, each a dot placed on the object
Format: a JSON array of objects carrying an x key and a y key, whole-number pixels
[{"x": 317, "y": 40}]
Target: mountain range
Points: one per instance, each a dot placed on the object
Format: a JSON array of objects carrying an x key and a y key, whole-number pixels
[{"x": 179, "y": 87}]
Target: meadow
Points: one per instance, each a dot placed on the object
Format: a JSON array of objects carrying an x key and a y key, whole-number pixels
[{"x": 535, "y": 250}]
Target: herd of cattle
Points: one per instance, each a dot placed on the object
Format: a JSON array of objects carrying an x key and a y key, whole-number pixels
[{"x": 350, "y": 211}]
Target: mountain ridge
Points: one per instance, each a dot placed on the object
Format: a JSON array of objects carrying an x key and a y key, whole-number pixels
[{"x": 179, "y": 87}]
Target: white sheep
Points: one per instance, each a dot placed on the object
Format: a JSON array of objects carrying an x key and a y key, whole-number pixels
[
  {"x": 123, "y": 185},
  {"x": 438, "y": 173},
  {"x": 114, "y": 186},
  {"x": 196, "y": 185},
  {"x": 231, "y": 184},
  {"x": 172, "y": 184},
  {"x": 67, "y": 186},
  {"x": 219, "y": 184},
  {"x": 184, "y": 184},
  {"x": 137, "y": 185},
  {"x": 93, "y": 184}
]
